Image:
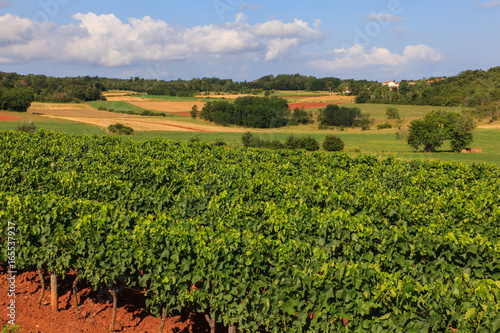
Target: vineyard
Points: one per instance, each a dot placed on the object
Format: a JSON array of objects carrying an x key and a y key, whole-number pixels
[{"x": 260, "y": 240}]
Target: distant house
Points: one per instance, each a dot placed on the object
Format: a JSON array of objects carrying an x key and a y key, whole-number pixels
[
  {"x": 436, "y": 80},
  {"x": 346, "y": 91},
  {"x": 391, "y": 84}
]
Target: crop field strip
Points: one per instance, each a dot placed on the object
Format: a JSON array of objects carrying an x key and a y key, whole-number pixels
[{"x": 273, "y": 240}]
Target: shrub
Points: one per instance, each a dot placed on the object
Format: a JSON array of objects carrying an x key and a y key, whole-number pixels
[
  {"x": 194, "y": 111},
  {"x": 147, "y": 113},
  {"x": 392, "y": 113},
  {"x": 383, "y": 126},
  {"x": 220, "y": 143},
  {"x": 121, "y": 129},
  {"x": 276, "y": 144},
  {"x": 300, "y": 116},
  {"x": 102, "y": 108},
  {"x": 195, "y": 138},
  {"x": 247, "y": 139},
  {"x": 26, "y": 127},
  {"x": 307, "y": 143},
  {"x": 333, "y": 143}
]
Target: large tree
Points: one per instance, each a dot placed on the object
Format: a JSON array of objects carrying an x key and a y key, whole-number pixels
[
  {"x": 17, "y": 99},
  {"x": 438, "y": 126}
]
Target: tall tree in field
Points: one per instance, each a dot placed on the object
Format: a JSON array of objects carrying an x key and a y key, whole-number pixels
[
  {"x": 438, "y": 126},
  {"x": 426, "y": 133}
]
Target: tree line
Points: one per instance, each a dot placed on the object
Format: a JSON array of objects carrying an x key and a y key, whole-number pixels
[{"x": 471, "y": 88}]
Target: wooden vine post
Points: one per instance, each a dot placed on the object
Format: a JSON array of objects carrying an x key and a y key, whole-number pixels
[{"x": 53, "y": 292}]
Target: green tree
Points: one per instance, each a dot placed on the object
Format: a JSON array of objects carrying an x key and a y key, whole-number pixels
[
  {"x": 333, "y": 143},
  {"x": 363, "y": 97},
  {"x": 194, "y": 111},
  {"x": 392, "y": 113},
  {"x": 459, "y": 130},
  {"x": 300, "y": 116},
  {"x": 333, "y": 115},
  {"x": 427, "y": 133},
  {"x": 17, "y": 99}
]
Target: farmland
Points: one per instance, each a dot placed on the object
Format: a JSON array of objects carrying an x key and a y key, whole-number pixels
[
  {"x": 261, "y": 239},
  {"x": 178, "y": 125}
]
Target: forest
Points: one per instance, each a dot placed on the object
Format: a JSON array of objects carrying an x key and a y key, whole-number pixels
[{"x": 471, "y": 88}]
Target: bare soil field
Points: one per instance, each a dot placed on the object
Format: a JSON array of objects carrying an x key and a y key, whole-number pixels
[
  {"x": 59, "y": 106},
  {"x": 489, "y": 126},
  {"x": 309, "y": 105},
  {"x": 81, "y": 113},
  {"x": 91, "y": 116},
  {"x": 95, "y": 307},
  {"x": 125, "y": 98},
  {"x": 152, "y": 124},
  {"x": 331, "y": 99},
  {"x": 117, "y": 93},
  {"x": 5, "y": 117},
  {"x": 227, "y": 96}
]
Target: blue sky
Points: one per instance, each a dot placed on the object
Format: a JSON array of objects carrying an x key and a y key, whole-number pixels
[{"x": 244, "y": 40}]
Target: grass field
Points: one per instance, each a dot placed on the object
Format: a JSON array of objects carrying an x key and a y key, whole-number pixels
[
  {"x": 380, "y": 142},
  {"x": 115, "y": 105}
]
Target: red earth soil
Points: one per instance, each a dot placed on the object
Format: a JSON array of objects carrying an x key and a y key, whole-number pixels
[
  {"x": 4, "y": 117},
  {"x": 96, "y": 309},
  {"x": 310, "y": 105}
]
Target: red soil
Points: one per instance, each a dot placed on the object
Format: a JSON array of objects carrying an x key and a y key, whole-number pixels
[
  {"x": 4, "y": 117},
  {"x": 310, "y": 105},
  {"x": 95, "y": 307}
]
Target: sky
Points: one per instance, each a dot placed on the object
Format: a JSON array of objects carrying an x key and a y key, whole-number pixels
[{"x": 245, "y": 40}]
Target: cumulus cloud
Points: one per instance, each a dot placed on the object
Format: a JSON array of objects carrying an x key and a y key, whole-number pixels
[
  {"x": 245, "y": 6},
  {"x": 384, "y": 18},
  {"x": 106, "y": 40},
  {"x": 381, "y": 58},
  {"x": 490, "y": 4},
  {"x": 5, "y": 3}
]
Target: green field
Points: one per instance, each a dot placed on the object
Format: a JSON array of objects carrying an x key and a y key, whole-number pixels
[
  {"x": 116, "y": 105},
  {"x": 380, "y": 142}
]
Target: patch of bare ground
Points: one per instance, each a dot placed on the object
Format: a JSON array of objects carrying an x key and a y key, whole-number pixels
[
  {"x": 326, "y": 99},
  {"x": 91, "y": 113},
  {"x": 489, "y": 126},
  {"x": 153, "y": 124},
  {"x": 95, "y": 308},
  {"x": 167, "y": 106}
]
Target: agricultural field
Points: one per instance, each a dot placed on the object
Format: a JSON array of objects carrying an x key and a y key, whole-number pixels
[
  {"x": 178, "y": 125},
  {"x": 262, "y": 240}
]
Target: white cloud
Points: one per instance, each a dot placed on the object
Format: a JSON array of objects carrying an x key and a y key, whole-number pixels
[
  {"x": 400, "y": 31},
  {"x": 106, "y": 40},
  {"x": 382, "y": 59},
  {"x": 245, "y": 5},
  {"x": 5, "y": 3},
  {"x": 490, "y": 4},
  {"x": 384, "y": 18}
]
